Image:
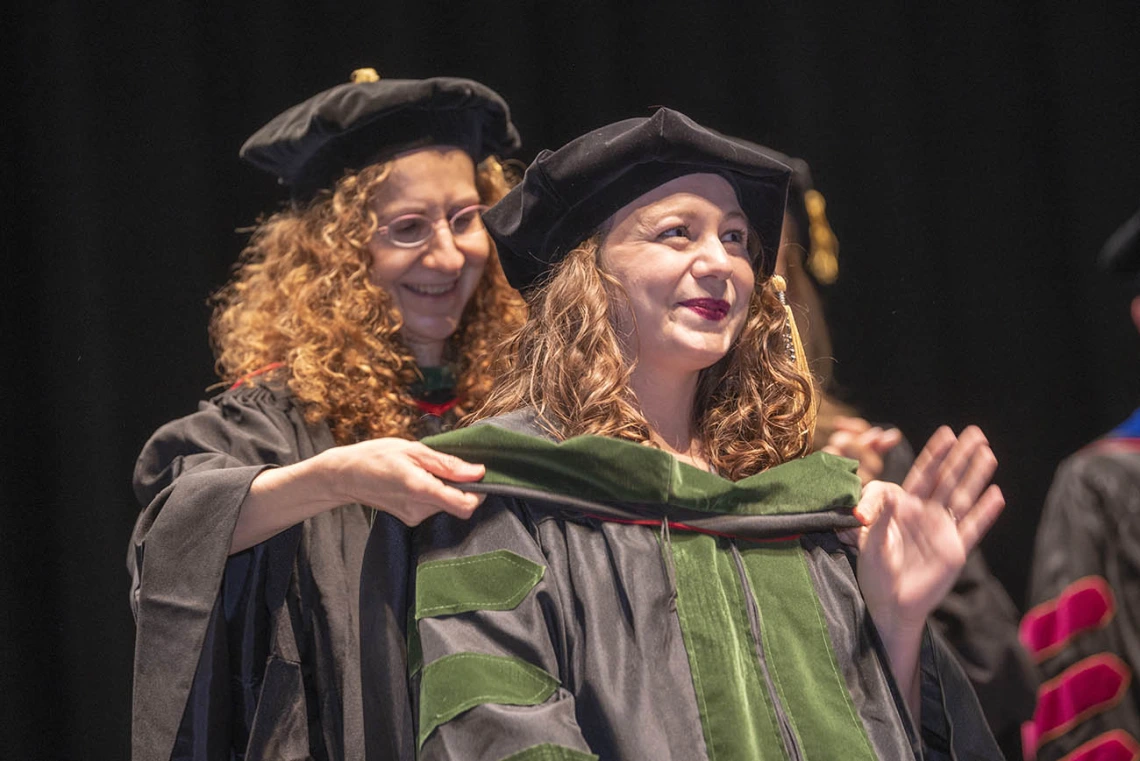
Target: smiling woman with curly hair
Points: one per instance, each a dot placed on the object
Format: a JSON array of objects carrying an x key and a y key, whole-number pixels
[
  {"x": 358, "y": 320},
  {"x": 567, "y": 364},
  {"x": 659, "y": 571},
  {"x": 303, "y": 297}
]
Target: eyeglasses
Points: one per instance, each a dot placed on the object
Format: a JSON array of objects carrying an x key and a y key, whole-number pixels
[{"x": 412, "y": 230}]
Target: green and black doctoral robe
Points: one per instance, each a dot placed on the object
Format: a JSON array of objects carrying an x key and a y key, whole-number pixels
[{"x": 607, "y": 601}]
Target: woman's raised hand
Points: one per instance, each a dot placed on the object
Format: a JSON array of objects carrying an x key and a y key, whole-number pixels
[{"x": 914, "y": 538}]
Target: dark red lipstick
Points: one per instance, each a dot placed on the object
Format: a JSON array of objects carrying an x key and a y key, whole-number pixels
[{"x": 710, "y": 309}]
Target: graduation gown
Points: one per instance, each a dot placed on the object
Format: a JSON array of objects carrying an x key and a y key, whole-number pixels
[
  {"x": 254, "y": 656},
  {"x": 1084, "y": 626},
  {"x": 607, "y": 601}
]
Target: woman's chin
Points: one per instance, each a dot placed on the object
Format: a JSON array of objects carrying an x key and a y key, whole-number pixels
[{"x": 688, "y": 357}]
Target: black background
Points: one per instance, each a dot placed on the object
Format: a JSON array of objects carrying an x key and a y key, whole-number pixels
[{"x": 975, "y": 156}]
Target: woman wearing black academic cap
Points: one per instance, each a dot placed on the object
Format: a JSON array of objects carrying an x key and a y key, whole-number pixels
[
  {"x": 358, "y": 319},
  {"x": 659, "y": 571}
]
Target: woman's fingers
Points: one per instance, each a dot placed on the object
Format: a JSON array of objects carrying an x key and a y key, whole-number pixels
[
  {"x": 973, "y": 482},
  {"x": 427, "y": 495},
  {"x": 870, "y": 447},
  {"x": 923, "y": 476},
  {"x": 455, "y": 501},
  {"x": 850, "y": 424},
  {"x": 461, "y": 505},
  {"x": 839, "y": 443},
  {"x": 441, "y": 496},
  {"x": 953, "y": 474},
  {"x": 977, "y": 521},
  {"x": 887, "y": 440},
  {"x": 867, "y": 447},
  {"x": 406, "y": 480},
  {"x": 957, "y": 462},
  {"x": 875, "y": 499},
  {"x": 445, "y": 466}
]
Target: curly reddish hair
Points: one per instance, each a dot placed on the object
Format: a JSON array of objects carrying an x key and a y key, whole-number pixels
[
  {"x": 301, "y": 296},
  {"x": 754, "y": 408}
]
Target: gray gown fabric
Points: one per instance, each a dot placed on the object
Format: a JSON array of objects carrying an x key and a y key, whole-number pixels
[
  {"x": 254, "y": 656},
  {"x": 604, "y": 622}
]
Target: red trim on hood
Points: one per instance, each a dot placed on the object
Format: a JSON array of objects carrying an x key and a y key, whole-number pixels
[
  {"x": 436, "y": 409},
  {"x": 679, "y": 526},
  {"x": 260, "y": 371},
  {"x": 1122, "y": 444}
]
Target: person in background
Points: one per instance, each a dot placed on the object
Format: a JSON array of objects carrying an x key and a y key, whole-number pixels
[
  {"x": 1084, "y": 627},
  {"x": 358, "y": 319},
  {"x": 977, "y": 618}
]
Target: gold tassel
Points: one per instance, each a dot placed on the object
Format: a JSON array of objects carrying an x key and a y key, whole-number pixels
[
  {"x": 796, "y": 348},
  {"x": 364, "y": 75},
  {"x": 823, "y": 258}
]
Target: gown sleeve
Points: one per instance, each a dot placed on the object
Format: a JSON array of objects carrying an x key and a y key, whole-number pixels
[
  {"x": 953, "y": 725},
  {"x": 486, "y": 649},
  {"x": 978, "y": 622},
  {"x": 192, "y": 477},
  {"x": 1084, "y": 628}
]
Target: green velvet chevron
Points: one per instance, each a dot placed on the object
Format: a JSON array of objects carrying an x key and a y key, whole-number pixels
[
  {"x": 457, "y": 683},
  {"x": 550, "y": 752},
  {"x": 496, "y": 580}
]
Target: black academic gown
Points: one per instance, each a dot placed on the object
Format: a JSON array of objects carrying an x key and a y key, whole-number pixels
[
  {"x": 662, "y": 623},
  {"x": 1084, "y": 626},
  {"x": 254, "y": 656}
]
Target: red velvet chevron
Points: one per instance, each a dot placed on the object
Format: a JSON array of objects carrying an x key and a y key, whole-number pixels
[
  {"x": 1085, "y": 604},
  {"x": 1084, "y": 689},
  {"x": 1116, "y": 745}
]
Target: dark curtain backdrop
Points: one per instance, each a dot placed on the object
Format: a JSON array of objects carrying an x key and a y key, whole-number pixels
[{"x": 975, "y": 155}]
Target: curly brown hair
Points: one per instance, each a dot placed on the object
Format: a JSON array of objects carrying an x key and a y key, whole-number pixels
[
  {"x": 301, "y": 296},
  {"x": 754, "y": 407}
]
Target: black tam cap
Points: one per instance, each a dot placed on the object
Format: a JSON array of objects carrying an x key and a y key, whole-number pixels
[
  {"x": 310, "y": 146},
  {"x": 567, "y": 194},
  {"x": 1121, "y": 254}
]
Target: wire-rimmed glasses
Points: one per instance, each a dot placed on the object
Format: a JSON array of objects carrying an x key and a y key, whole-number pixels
[{"x": 413, "y": 230}]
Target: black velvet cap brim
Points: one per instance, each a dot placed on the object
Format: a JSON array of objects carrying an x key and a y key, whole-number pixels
[
  {"x": 567, "y": 194},
  {"x": 311, "y": 145}
]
